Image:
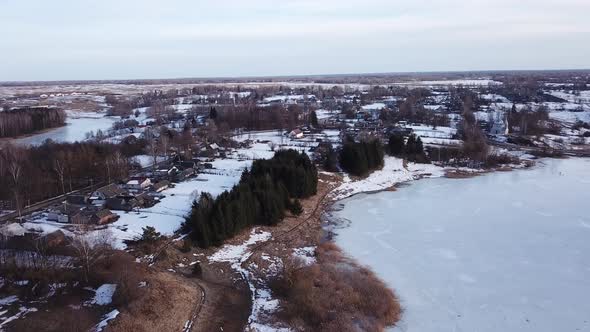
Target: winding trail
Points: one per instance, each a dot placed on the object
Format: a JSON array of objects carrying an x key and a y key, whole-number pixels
[{"x": 188, "y": 326}]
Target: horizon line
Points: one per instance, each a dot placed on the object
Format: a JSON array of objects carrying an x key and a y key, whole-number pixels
[{"x": 287, "y": 76}]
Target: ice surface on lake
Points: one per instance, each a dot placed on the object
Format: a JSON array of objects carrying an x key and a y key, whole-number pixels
[
  {"x": 77, "y": 125},
  {"x": 500, "y": 252}
]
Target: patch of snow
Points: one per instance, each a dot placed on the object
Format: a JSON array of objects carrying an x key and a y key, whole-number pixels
[
  {"x": 262, "y": 301},
  {"x": 8, "y": 300},
  {"x": 392, "y": 172},
  {"x": 105, "y": 320},
  {"x": 104, "y": 294},
  {"x": 306, "y": 255}
]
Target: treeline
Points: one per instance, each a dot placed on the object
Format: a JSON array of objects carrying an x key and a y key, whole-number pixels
[
  {"x": 252, "y": 117},
  {"x": 531, "y": 122},
  {"x": 361, "y": 158},
  {"x": 31, "y": 174},
  {"x": 260, "y": 198},
  {"x": 412, "y": 149},
  {"x": 24, "y": 121}
]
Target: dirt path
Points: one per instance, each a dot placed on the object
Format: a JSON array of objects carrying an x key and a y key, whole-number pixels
[{"x": 315, "y": 214}]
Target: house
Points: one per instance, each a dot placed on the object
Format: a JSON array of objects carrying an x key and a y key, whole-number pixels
[
  {"x": 106, "y": 192},
  {"x": 102, "y": 216},
  {"x": 161, "y": 186},
  {"x": 129, "y": 202},
  {"x": 67, "y": 213},
  {"x": 118, "y": 204},
  {"x": 138, "y": 183},
  {"x": 296, "y": 134},
  {"x": 184, "y": 174},
  {"x": 187, "y": 164},
  {"x": 143, "y": 200}
]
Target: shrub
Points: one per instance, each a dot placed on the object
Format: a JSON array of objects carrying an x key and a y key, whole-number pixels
[
  {"x": 295, "y": 207},
  {"x": 197, "y": 270},
  {"x": 149, "y": 234},
  {"x": 186, "y": 245},
  {"x": 334, "y": 295}
]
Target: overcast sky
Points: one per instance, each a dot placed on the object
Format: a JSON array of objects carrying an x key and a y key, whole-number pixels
[{"x": 128, "y": 39}]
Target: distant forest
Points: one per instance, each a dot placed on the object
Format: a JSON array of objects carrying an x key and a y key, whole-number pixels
[
  {"x": 260, "y": 198},
  {"x": 24, "y": 121}
]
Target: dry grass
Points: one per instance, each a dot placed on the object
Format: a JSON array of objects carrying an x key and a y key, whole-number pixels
[
  {"x": 334, "y": 294},
  {"x": 165, "y": 304}
]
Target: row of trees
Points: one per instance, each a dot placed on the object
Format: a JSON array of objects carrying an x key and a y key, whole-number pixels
[
  {"x": 24, "y": 121},
  {"x": 361, "y": 158},
  {"x": 32, "y": 174},
  {"x": 260, "y": 198}
]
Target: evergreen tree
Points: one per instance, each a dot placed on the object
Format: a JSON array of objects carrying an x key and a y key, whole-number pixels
[
  {"x": 396, "y": 145},
  {"x": 213, "y": 113},
  {"x": 314, "y": 119},
  {"x": 360, "y": 158}
]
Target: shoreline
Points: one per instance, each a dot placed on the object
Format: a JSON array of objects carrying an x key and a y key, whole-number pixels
[
  {"x": 329, "y": 222},
  {"x": 15, "y": 139},
  {"x": 270, "y": 252},
  {"x": 542, "y": 166}
]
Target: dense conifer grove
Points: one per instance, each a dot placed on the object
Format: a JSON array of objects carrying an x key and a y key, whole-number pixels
[
  {"x": 412, "y": 149},
  {"x": 260, "y": 198},
  {"x": 24, "y": 121},
  {"x": 361, "y": 158}
]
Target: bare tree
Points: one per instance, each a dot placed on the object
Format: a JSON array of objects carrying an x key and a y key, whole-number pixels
[
  {"x": 164, "y": 143},
  {"x": 91, "y": 249},
  {"x": 14, "y": 164},
  {"x": 59, "y": 169},
  {"x": 120, "y": 164},
  {"x": 152, "y": 147}
]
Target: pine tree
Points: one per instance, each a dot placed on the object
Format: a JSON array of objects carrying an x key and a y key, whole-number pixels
[
  {"x": 213, "y": 113},
  {"x": 396, "y": 145},
  {"x": 314, "y": 119}
]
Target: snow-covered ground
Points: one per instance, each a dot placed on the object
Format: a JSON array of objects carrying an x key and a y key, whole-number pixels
[
  {"x": 429, "y": 131},
  {"x": 464, "y": 82},
  {"x": 168, "y": 215},
  {"x": 374, "y": 107},
  {"x": 494, "y": 98},
  {"x": 262, "y": 302},
  {"x": 499, "y": 252},
  {"x": 287, "y": 98},
  {"x": 392, "y": 172},
  {"x": 104, "y": 294}
]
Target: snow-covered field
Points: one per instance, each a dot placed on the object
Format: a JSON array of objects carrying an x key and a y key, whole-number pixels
[
  {"x": 499, "y": 252},
  {"x": 466, "y": 82}
]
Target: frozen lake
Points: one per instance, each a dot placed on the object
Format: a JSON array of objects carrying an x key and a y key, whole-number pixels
[
  {"x": 77, "y": 125},
  {"x": 500, "y": 252}
]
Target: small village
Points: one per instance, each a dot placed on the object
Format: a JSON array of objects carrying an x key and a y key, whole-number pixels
[{"x": 157, "y": 151}]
